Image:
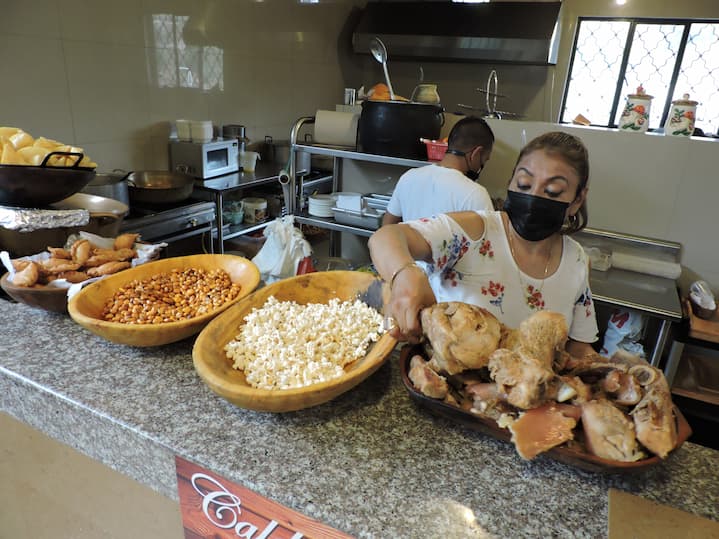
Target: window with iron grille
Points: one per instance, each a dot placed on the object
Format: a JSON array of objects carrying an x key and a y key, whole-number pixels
[
  {"x": 668, "y": 58},
  {"x": 175, "y": 63}
]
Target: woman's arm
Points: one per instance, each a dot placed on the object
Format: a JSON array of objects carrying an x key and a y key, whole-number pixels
[{"x": 393, "y": 249}]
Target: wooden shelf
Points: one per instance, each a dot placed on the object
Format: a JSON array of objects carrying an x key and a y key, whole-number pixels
[
  {"x": 710, "y": 397},
  {"x": 706, "y": 330},
  {"x": 697, "y": 375}
]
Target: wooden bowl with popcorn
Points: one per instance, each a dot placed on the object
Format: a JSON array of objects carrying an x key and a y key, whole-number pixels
[
  {"x": 296, "y": 343},
  {"x": 163, "y": 301}
]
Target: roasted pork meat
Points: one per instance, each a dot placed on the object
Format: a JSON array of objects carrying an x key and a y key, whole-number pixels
[
  {"x": 542, "y": 335},
  {"x": 426, "y": 380},
  {"x": 654, "y": 417},
  {"x": 608, "y": 432},
  {"x": 462, "y": 335},
  {"x": 522, "y": 378},
  {"x": 526, "y": 381},
  {"x": 540, "y": 429}
]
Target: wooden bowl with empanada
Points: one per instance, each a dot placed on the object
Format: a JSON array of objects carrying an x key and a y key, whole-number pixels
[{"x": 49, "y": 298}]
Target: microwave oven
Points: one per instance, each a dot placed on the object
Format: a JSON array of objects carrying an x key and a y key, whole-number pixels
[{"x": 205, "y": 159}]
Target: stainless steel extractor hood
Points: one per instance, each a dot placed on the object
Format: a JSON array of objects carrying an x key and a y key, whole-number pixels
[{"x": 498, "y": 32}]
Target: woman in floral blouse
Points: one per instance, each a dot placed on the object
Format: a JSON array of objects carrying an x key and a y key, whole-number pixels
[{"x": 512, "y": 262}]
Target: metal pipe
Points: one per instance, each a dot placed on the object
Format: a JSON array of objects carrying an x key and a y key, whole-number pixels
[{"x": 291, "y": 181}]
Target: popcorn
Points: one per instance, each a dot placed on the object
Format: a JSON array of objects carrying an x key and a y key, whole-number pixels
[{"x": 285, "y": 345}]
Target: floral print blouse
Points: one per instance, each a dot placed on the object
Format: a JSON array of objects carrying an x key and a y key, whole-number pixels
[{"x": 483, "y": 272}]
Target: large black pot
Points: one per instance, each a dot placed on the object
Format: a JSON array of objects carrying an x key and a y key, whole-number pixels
[
  {"x": 37, "y": 186},
  {"x": 394, "y": 127}
]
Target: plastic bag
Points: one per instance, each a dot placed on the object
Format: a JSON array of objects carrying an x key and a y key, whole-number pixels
[
  {"x": 285, "y": 247},
  {"x": 624, "y": 330}
]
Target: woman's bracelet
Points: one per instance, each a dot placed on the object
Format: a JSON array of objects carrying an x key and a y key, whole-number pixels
[{"x": 400, "y": 270}]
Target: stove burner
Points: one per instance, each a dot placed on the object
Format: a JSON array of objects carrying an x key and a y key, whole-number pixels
[{"x": 169, "y": 222}]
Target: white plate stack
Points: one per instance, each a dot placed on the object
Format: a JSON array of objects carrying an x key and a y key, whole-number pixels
[{"x": 321, "y": 205}]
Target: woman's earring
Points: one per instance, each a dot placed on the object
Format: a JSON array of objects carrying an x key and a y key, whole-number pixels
[{"x": 570, "y": 223}]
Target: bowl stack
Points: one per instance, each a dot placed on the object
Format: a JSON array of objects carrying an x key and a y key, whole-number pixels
[{"x": 321, "y": 205}]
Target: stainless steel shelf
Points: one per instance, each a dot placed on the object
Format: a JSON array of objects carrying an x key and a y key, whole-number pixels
[
  {"x": 240, "y": 230},
  {"x": 306, "y": 184},
  {"x": 359, "y": 156},
  {"x": 331, "y": 224}
]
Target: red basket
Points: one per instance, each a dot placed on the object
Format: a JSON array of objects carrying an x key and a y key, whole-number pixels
[{"x": 435, "y": 149}]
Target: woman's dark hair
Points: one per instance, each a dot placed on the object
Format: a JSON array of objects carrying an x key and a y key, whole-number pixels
[
  {"x": 470, "y": 132},
  {"x": 574, "y": 153}
]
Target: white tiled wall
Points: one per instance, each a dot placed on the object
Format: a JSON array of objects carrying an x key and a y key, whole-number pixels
[{"x": 81, "y": 71}]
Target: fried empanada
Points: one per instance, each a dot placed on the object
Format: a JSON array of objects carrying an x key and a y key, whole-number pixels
[
  {"x": 73, "y": 276},
  {"x": 19, "y": 265},
  {"x": 28, "y": 276},
  {"x": 59, "y": 252},
  {"x": 125, "y": 241},
  {"x": 101, "y": 256},
  {"x": 108, "y": 268},
  {"x": 80, "y": 251},
  {"x": 58, "y": 265}
]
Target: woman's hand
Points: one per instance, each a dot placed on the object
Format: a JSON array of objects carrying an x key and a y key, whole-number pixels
[
  {"x": 410, "y": 294},
  {"x": 393, "y": 249}
]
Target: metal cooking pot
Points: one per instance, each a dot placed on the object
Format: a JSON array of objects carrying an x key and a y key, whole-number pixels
[
  {"x": 275, "y": 151},
  {"x": 37, "y": 186},
  {"x": 394, "y": 127},
  {"x": 159, "y": 186},
  {"x": 110, "y": 185}
]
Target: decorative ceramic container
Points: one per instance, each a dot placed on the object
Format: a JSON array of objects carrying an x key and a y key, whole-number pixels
[
  {"x": 425, "y": 93},
  {"x": 635, "y": 117},
  {"x": 682, "y": 115}
]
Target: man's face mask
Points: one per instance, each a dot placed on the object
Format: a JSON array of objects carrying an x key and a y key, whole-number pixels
[
  {"x": 471, "y": 174},
  {"x": 534, "y": 218}
]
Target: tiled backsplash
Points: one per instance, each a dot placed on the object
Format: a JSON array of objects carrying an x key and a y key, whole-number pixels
[{"x": 111, "y": 76}]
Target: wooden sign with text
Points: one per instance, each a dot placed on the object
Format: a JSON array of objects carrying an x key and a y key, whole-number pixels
[{"x": 214, "y": 507}]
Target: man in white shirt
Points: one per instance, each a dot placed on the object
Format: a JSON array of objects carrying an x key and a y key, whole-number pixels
[{"x": 448, "y": 185}]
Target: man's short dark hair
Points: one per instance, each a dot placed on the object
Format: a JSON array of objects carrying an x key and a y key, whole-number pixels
[{"x": 469, "y": 133}]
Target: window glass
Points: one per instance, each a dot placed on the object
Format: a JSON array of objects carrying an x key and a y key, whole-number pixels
[
  {"x": 652, "y": 57},
  {"x": 699, "y": 74},
  {"x": 668, "y": 58},
  {"x": 595, "y": 69}
]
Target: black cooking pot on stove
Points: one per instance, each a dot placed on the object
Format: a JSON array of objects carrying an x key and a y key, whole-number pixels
[{"x": 394, "y": 128}]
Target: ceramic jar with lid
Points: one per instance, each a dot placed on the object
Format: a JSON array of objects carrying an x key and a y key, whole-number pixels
[
  {"x": 635, "y": 117},
  {"x": 425, "y": 93},
  {"x": 681, "y": 118}
]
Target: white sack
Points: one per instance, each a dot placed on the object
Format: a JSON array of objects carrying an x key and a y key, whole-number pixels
[{"x": 285, "y": 247}]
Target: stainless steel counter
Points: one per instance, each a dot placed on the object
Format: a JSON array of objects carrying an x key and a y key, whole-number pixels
[{"x": 653, "y": 296}]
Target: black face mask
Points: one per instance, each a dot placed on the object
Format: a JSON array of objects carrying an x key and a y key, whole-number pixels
[
  {"x": 471, "y": 174},
  {"x": 534, "y": 218}
]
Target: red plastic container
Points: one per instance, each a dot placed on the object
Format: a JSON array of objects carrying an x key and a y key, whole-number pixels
[{"x": 435, "y": 149}]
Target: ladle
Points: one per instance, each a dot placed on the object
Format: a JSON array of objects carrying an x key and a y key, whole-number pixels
[{"x": 379, "y": 51}]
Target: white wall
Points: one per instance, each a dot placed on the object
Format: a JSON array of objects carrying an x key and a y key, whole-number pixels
[
  {"x": 643, "y": 184},
  {"x": 83, "y": 71}
]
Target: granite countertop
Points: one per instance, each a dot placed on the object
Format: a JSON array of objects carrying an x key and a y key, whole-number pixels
[{"x": 370, "y": 463}]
